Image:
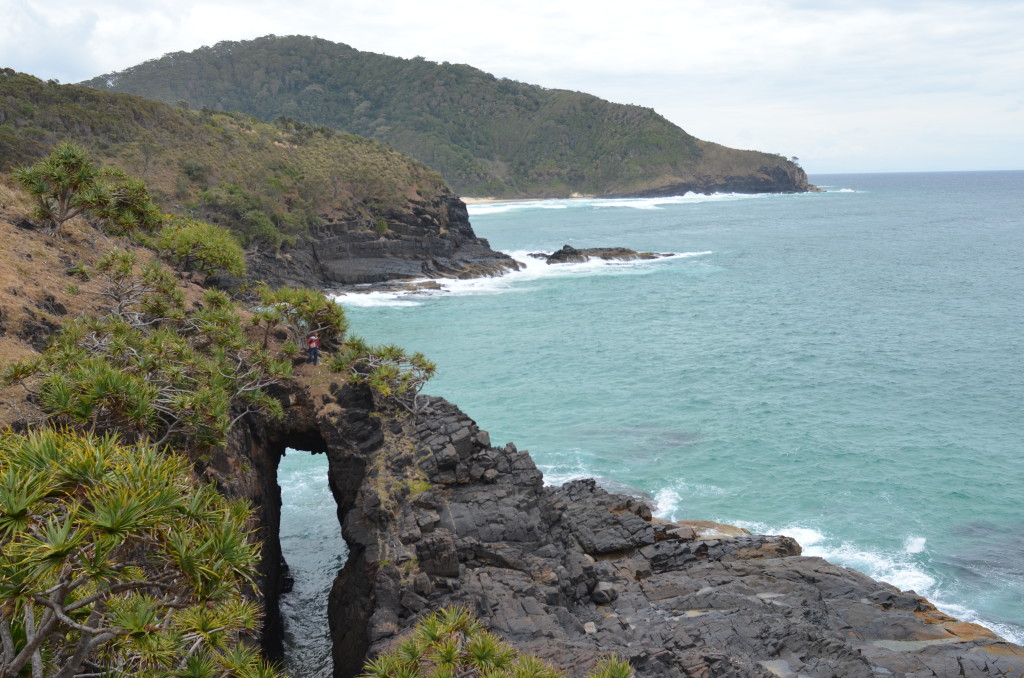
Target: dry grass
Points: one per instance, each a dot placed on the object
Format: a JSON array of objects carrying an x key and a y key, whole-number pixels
[{"x": 39, "y": 292}]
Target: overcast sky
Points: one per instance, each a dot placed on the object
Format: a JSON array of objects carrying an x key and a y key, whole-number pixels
[{"x": 847, "y": 86}]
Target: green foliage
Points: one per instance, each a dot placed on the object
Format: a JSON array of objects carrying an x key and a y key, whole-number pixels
[
  {"x": 67, "y": 183},
  {"x": 394, "y": 375},
  {"x": 127, "y": 207},
  {"x": 302, "y": 310},
  {"x": 114, "y": 561},
  {"x": 64, "y": 185},
  {"x": 271, "y": 184},
  {"x": 452, "y": 643},
  {"x": 486, "y": 135},
  {"x": 149, "y": 369},
  {"x": 190, "y": 244}
]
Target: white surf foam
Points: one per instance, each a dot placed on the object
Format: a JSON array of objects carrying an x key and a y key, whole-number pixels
[
  {"x": 376, "y": 299},
  {"x": 485, "y": 209},
  {"x": 898, "y": 568},
  {"x": 533, "y": 269},
  {"x": 914, "y": 544}
]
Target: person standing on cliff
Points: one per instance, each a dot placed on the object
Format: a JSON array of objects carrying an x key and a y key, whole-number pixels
[{"x": 313, "y": 344}]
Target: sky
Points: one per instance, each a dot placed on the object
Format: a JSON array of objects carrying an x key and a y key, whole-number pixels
[{"x": 844, "y": 85}]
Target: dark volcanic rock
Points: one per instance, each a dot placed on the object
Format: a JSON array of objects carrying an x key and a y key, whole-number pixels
[
  {"x": 571, "y": 255},
  {"x": 572, "y": 573},
  {"x": 434, "y": 515},
  {"x": 430, "y": 239}
]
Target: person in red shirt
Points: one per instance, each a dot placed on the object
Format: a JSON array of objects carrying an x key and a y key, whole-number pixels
[{"x": 313, "y": 344}]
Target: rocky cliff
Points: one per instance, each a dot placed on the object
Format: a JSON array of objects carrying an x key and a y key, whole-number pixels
[
  {"x": 430, "y": 237},
  {"x": 435, "y": 515}
]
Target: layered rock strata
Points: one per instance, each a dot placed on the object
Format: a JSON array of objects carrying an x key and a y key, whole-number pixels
[
  {"x": 431, "y": 239},
  {"x": 435, "y": 515}
]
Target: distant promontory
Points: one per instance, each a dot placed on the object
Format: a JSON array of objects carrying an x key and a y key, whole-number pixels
[{"x": 487, "y": 136}]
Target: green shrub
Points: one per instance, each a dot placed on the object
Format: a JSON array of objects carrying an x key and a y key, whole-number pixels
[
  {"x": 67, "y": 183},
  {"x": 189, "y": 244},
  {"x": 452, "y": 643},
  {"x": 394, "y": 375},
  {"x": 113, "y": 561},
  {"x": 150, "y": 369}
]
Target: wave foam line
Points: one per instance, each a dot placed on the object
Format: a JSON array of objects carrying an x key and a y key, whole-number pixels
[
  {"x": 485, "y": 209},
  {"x": 898, "y": 568},
  {"x": 533, "y": 269}
]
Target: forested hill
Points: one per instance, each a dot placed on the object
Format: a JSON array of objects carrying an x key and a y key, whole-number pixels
[
  {"x": 312, "y": 205},
  {"x": 487, "y": 136}
]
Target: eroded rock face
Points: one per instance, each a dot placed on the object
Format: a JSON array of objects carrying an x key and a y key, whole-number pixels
[
  {"x": 442, "y": 517},
  {"x": 432, "y": 238},
  {"x": 435, "y": 515}
]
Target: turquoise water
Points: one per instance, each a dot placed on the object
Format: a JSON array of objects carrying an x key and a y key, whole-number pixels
[{"x": 843, "y": 367}]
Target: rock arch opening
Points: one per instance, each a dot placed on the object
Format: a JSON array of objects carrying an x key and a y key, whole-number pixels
[{"x": 313, "y": 551}]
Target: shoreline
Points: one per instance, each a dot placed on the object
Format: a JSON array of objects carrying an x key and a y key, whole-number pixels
[{"x": 490, "y": 200}]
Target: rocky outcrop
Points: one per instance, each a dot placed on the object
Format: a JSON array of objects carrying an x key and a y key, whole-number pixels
[
  {"x": 432, "y": 238},
  {"x": 571, "y": 255},
  {"x": 435, "y": 515}
]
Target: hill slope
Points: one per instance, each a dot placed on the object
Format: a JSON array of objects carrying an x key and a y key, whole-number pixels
[
  {"x": 314, "y": 206},
  {"x": 487, "y": 136}
]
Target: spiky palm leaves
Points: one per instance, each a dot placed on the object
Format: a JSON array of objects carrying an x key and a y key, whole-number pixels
[
  {"x": 451, "y": 643},
  {"x": 302, "y": 310},
  {"x": 393, "y": 374},
  {"x": 152, "y": 369},
  {"x": 64, "y": 185},
  {"x": 67, "y": 183},
  {"x": 113, "y": 561}
]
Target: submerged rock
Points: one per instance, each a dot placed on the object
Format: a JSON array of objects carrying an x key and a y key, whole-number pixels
[{"x": 571, "y": 255}]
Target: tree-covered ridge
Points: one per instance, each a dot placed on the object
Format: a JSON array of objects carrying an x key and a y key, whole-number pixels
[
  {"x": 487, "y": 136},
  {"x": 269, "y": 182}
]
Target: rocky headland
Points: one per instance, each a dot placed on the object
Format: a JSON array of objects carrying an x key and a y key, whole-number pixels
[
  {"x": 429, "y": 238},
  {"x": 434, "y": 514}
]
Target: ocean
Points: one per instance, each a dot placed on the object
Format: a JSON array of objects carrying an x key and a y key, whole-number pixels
[{"x": 842, "y": 367}]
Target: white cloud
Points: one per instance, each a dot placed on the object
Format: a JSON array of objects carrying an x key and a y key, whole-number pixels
[{"x": 845, "y": 85}]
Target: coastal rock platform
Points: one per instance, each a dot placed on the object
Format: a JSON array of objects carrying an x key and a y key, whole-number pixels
[{"x": 435, "y": 515}]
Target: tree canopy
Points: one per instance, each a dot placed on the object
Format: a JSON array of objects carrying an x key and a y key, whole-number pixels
[{"x": 486, "y": 135}]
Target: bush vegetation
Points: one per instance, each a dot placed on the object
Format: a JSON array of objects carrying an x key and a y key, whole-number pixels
[
  {"x": 395, "y": 376},
  {"x": 193, "y": 245},
  {"x": 68, "y": 183},
  {"x": 486, "y": 135},
  {"x": 151, "y": 369},
  {"x": 269, "y": 182},
  {"x": 113, "y": 561},
  {"x": 450, "y": 643}
]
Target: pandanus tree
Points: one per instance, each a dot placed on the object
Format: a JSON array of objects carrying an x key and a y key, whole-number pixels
[
  {"x": 114, "y": 561},
  {"x": 68, "y": 183},
  {"x": 63, "y": 184},
  {"x": 451, "y": 643},
  {"x": 152, "y": 369}
]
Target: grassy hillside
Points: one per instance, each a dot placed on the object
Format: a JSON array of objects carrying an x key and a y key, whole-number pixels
[
  {"x": 270, "y": 182},
  {"x": 487, "y": 136}
]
